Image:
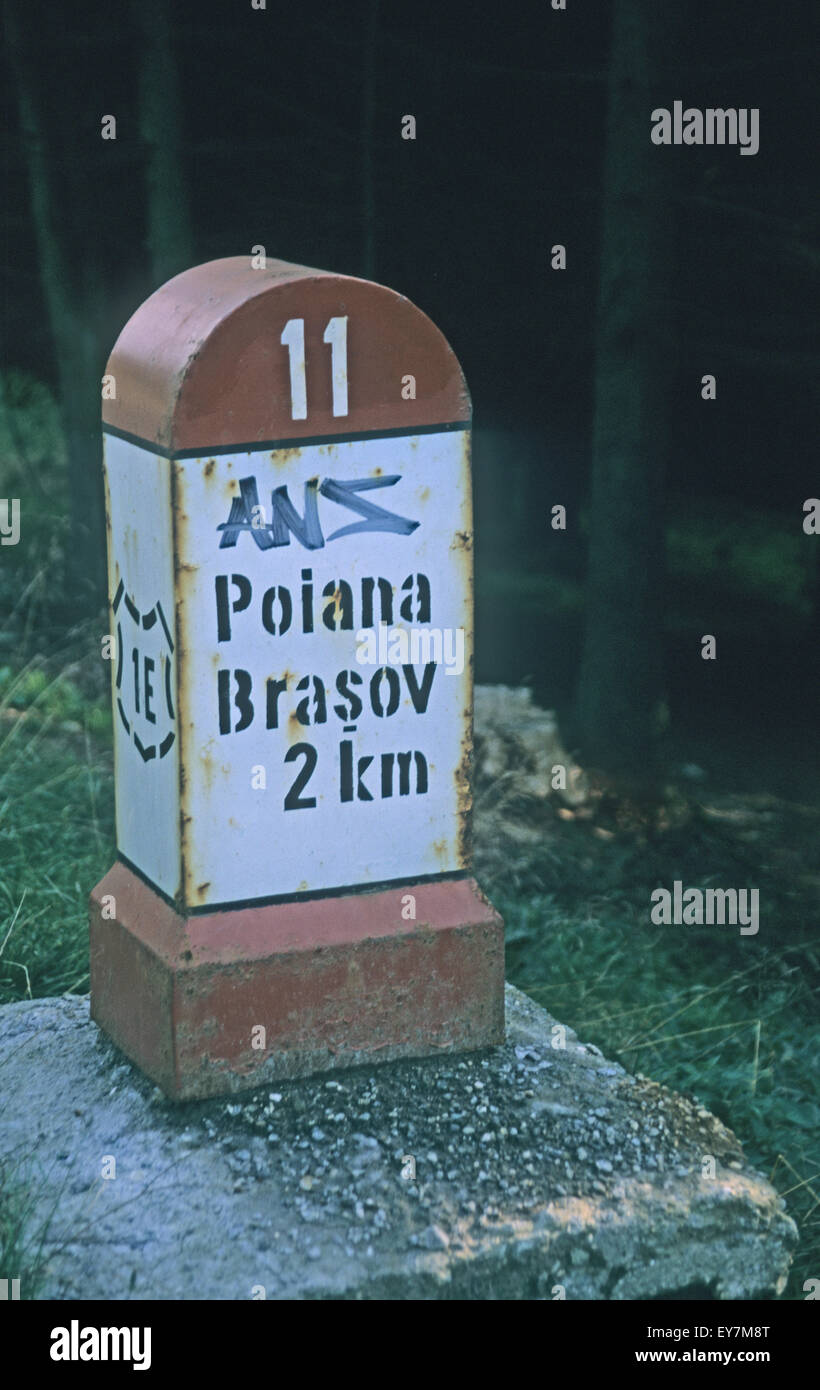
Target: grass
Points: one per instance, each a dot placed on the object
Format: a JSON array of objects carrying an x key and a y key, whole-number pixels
[
  {"x": 729, "y": 1020},
  {"x": 33, "y": 470},
  {"x": 733, "y": 1022},
  {"x": 24, "y": 1233},
  {"x": 56, "y": 828}
]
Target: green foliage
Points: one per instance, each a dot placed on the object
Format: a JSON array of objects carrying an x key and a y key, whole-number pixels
[
  {"x": 33, "y": 469},
  {"x": 743, "y": 551},
  {"x": 727, "y": 546},
  {"x": 56, "y": 834},
  {"x": 23, "y": 1233},
  {"x": 32, "y": 451},
  {"x": 46, "y": 698}
]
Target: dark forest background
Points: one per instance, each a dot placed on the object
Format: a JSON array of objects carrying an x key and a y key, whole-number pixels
[{"x": 281, "y": 127}]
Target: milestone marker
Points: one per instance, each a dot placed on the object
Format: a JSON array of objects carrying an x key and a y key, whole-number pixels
[{"x": 290, "y": 578}]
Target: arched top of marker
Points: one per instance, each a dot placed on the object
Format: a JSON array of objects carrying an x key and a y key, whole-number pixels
[{"x": 225, "y": 355}]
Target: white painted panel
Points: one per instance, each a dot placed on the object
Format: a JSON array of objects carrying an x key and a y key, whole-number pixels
[
  {"x": 146, "y": 742},
  {"x": 240, "y": 841}
]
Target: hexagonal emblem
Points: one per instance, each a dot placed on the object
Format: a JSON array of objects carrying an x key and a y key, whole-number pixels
[{"x": 145, "y": 676}]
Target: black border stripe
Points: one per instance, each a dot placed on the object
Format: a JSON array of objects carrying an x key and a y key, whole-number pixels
[
  {"x": 168, "y": 700},
  {"x": 341, "y": 890},
  {"x": 165, "y": 626},
  {"x": 146, "y": 753},
  {"x": 268, "y": 445}
]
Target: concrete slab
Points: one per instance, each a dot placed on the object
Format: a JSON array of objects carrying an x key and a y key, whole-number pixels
[{"x": 524, "y": 1171}]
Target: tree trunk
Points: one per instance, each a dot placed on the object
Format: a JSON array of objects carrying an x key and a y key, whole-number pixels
[
  {"x": 71, "y": 319},
  {"x": 369, "y": 59},
  {"x": 169, "y": 239},
  {"x": 620, "y": 683}
]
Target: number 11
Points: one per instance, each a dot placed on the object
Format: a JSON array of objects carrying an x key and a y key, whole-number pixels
[{"x": 293, "y": 338}]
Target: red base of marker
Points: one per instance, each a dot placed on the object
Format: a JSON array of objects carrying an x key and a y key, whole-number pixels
[{"x": 218, "y": 1003}]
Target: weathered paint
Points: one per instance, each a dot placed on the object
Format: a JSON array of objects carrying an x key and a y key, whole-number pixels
[
  {"x": 192, "y": 821},
  {"x": 200, "y": 364},
  {"x": 284, "y": 389},
  {"x": 140, "y": 577},
  {"x": 334, "y": 982},
  {"x": 236, "y": 841}
]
